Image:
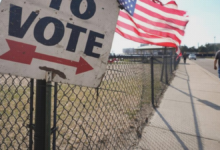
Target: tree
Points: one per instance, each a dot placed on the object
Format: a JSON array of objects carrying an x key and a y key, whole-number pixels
[
  {"x": 192, "y": 49},
  {"x": 210, "y": 47},
  {"x": 203, "y": 49},
  {"x": 183, "y": 48}
]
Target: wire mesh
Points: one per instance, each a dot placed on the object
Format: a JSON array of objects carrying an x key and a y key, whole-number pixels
[
  {"x": 159, "y": 77},
  {"x": 15, "y": 93},
  {"x": 108, "y": 117}
]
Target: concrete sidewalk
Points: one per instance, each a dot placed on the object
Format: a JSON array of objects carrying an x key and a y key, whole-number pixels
[{"x": 189, "y": 114}]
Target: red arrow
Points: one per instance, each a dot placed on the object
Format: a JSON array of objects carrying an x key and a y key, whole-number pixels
[{"x": 24, "y": 53}]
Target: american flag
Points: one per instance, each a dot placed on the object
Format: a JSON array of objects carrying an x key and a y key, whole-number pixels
[{"x": 145, "y": 21}]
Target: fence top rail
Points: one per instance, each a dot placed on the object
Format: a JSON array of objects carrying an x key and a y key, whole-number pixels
[{"x": 139, "y": 56}]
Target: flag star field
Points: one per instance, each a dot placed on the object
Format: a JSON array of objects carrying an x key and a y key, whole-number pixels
[{"x": 129, "y": 5}]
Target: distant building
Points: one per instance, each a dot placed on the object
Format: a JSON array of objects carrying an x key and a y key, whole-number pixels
[
  {"x": 128, "y": 51},
  {"x": 143, "y": 45},
  {"x": 153, "y": 50},
  {"x": 147, "y": 50}
]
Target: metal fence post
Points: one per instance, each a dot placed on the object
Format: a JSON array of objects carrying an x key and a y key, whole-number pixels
[
  {"x": 152, "y": 80},
  {"x": 39, "y": 137},
  {"x": 31, "y": 113},
  {"x": 54, "y": 116},
  {"x": 171, "y": 63},
  {"x": 161, "y": 77},
  {"x": 174, "y": 62},
  {"x": 43, "y": 115},
  {"x": 48, "y": 111},
  {"x": 166, "y": 77}
]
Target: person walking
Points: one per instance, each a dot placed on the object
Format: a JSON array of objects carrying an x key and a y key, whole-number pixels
[
  {"x": 184, "y": 57},
  {"x": 217, "y": 58}
]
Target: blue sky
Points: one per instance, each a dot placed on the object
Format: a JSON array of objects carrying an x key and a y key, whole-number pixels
[
  {"x": 203, "y": 26},
  {"x": 204, "y": 22}
]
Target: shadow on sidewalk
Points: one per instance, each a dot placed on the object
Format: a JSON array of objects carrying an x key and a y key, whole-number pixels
[
  {"x": 210, "y": 104},
  {"x": 197, "y": 131},
  {"x": 181, "y": 78},
  {"x": 199, "y": 140},
  {"x": 184, "y": 64},
  {"x": 171, "y": 130},
  {"x": 182, "y": 73}
]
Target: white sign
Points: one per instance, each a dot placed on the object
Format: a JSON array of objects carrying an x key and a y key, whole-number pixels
[{"x": 71, "y": 38}]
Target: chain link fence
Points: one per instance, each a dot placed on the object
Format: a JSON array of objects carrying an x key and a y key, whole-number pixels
[
  {"x": 108, "y": 117},
  {"x": 15, "y": 100}
]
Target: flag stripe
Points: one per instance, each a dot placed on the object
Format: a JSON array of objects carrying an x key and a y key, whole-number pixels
[
  {"x": 131, "y": 31},
  {"x": 172, "y": 3},
  {"x": 147, "y": 22},
  {"x": 173, "y": 22},
  {"x": 128, "y": 25},
  {"x": 161, "y": 24},
  {"x": 128, "y": 30},
  {"x": 170, "y": 6},
  {"x": 143, "y": 40},
  {"x": 161, "y": 14},
  {"x": 163, "y": 10},
  {"x": 162, "y": 32},
  {"x": 135, "y": 30},
  {"x": 178, "y": 51}
]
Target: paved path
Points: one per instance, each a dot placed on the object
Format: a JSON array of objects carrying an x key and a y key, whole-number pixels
[
  {"x": 189, "y": 114},
  {"x": 207, "y": 63}
]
